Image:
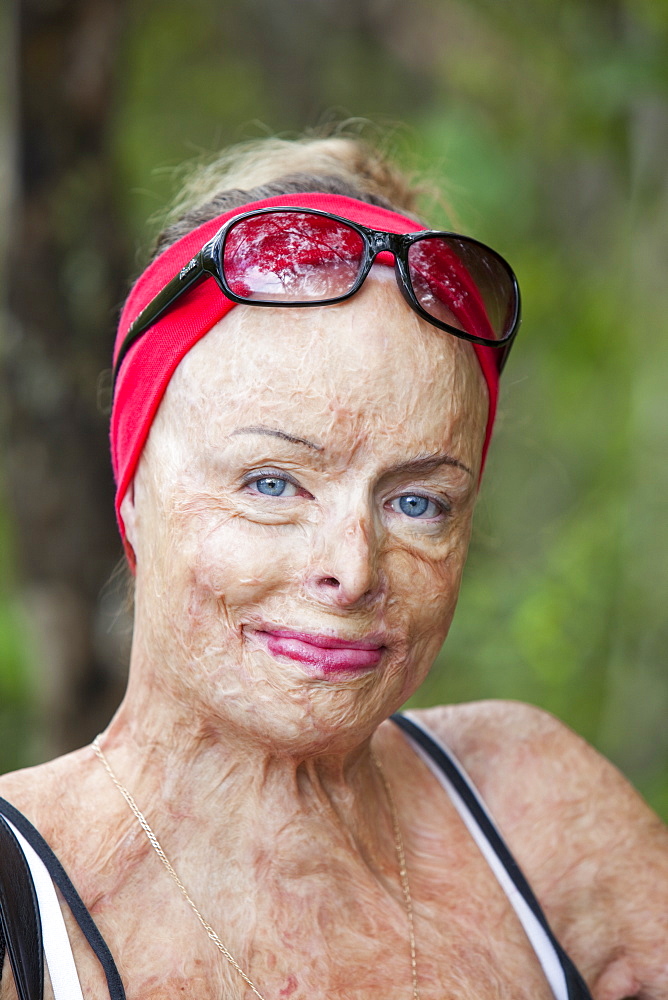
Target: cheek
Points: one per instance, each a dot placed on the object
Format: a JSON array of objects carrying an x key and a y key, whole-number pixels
[
  {"x": 424, "y": 595},
  {"x": 239, "y": 563},
  {"x": 426, "y": 585},
  {"x": 426, "y": 588}
]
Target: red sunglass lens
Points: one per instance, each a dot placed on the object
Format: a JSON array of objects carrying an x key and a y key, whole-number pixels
[
  {"x": 292, "y": 257},
  {"x": 461, "y": 283}
]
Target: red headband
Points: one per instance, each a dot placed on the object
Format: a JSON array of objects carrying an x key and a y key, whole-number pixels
[{"x": 151, "y": 361}]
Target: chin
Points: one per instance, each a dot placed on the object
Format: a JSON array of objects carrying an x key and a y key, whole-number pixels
[{"x": 296, "y": 710}]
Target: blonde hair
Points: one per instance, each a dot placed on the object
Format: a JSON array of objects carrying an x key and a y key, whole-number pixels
[{"x": 344, "y": 164}]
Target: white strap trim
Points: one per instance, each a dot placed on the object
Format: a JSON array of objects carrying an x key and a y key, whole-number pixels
[
  {"x": 57, "y": 948},
  {"x": 540, "y": 942}
]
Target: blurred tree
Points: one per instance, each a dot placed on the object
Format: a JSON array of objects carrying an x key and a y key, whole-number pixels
[
  {"x": 547, "y": 125},
  {"x": 67, "y": 270}
]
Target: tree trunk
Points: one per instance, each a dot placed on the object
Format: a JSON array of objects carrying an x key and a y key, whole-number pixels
[{"x": 66, "y": 268}]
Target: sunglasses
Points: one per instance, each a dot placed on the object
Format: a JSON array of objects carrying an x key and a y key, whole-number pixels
[{"x": 298, "y": 257}]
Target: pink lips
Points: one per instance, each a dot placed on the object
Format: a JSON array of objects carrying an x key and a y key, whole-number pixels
[{"x": 323, "y": 652}]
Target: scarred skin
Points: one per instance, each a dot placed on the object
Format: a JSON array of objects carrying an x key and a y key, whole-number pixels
[{"x": 254, "y": 769}]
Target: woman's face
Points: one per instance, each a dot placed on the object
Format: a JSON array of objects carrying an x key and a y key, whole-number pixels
[{"x": 301, "y": 515}]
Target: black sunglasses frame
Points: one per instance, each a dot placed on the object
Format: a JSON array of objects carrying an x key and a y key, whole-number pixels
[{"x": 208, "y": 263}]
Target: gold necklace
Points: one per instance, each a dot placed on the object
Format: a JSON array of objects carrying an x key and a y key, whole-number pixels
[{"x": 398, "y": 844}]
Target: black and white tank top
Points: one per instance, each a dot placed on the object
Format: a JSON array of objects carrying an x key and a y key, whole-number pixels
[{"x": 565, "y": 981}]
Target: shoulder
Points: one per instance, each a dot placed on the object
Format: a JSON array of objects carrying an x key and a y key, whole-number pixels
[
  {"x": 494, "y": 725},
  {"x": 498, "y": 740},
  {"x": 594, "y": 852},
  {"x": 536, "y": 773},
  {"x": 50, "y": 794}
]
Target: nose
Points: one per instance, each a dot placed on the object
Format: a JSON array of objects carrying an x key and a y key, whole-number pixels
[{"x": 344, "y": 571}]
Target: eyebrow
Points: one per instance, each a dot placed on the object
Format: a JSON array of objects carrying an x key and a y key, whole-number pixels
[
  {"x": 272, "y": 432},
  {"x": 423, "y": 463}
]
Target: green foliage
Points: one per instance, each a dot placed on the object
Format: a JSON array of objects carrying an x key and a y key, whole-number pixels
[
  {"x": 558, "y": 159},
  {"x": 546, "y": 125},
  {"x": 15, "y": 687}
]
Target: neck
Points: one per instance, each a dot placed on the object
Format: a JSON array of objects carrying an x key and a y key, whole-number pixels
[
  {"x": 198, "y": 771},
  {"x": 272, "y": 845}
]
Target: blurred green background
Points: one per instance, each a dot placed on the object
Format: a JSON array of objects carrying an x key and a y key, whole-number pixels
[{"x": 546, "y": 125}]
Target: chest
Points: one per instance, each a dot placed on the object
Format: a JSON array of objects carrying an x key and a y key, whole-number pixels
[{"x": 336, "y": 932}]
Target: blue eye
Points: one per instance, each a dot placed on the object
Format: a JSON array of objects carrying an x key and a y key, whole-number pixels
[
  {"x": 273, "y": 486},
  {"x": 416, "y": 506}
]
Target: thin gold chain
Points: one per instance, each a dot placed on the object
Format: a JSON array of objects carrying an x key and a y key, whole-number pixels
[
  {"x": 403, "y": 874},
  {"x": 155, "y": 844}
]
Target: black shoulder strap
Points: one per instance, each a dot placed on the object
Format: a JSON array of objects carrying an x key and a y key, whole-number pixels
[
  {"x": 71, "y": 896},
  {"x": 577, "y": 988},
  {"x": 19, "y": 917}
]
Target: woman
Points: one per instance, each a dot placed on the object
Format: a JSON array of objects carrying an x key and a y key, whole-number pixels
[{"x": 295, "y": 494}]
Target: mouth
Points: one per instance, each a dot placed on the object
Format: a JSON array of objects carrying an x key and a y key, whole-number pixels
[{"x": 323, "y": 654}]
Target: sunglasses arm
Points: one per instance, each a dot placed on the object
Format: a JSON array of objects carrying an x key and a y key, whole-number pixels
[{"x": 188, "y": 276}]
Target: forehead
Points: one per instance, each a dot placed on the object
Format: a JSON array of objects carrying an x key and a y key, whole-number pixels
[{"x": 365, "y": 370}]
